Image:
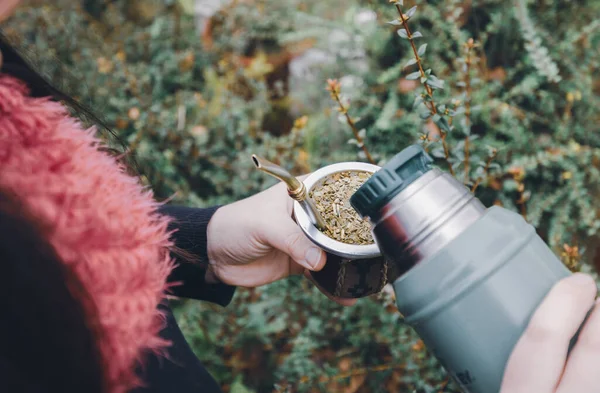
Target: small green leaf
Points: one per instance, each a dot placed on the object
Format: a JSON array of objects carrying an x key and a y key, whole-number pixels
[
  {"x": 394, "y": 22},
  {"x": 276, "y": 326},
  {"x": 495, "y": 165},
  {"x": 422, "y": 49},
  {"x": 490, "y": 150},
  {"x": 353, "y": 142},
  {"x": 402, "y": 33},
  {"x": 459, "y": 110},
  {"x": 238, "y": 387},
  {"x": 438, "y": 153},
  {"x": 411, "y": 12},
  {"x": 435, "y": 82},
  {"x": 418, "y": 101},
  {"x": 476, "y": 161},
  {"x": 443, "y": 124},
  {"x": 417, "y": 34},
  {"x": 466, "y": 130},
  {"x": 413, "y": 76},
  {"x": 428, "y": 71},
  {"x": 362, "y": 133},
  {"x": 510, "y": 185},
  {"x": 425, "y": 115},
  {"x": 460, "y": 152},
  {"x": 461, "y": 84},
  {"x": 410, "y": 62},
  {"x": 423, "y": 79}
]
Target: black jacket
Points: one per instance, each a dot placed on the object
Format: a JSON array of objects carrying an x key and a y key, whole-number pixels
[{"x": 181, "y": 371}]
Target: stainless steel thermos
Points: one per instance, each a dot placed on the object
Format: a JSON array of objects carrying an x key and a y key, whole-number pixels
[{"x": 469, "y": 278}]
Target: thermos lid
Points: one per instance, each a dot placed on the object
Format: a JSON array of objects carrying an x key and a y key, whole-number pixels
[{"x": 403, "y": 169}]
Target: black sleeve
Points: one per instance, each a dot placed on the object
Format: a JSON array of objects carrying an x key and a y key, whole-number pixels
[
  {"x": 179, "y": 370},
  {"x": 190, "y": 225}
]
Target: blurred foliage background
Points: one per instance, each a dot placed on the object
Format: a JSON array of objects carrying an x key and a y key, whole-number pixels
[{"x": 193, "y": 88}]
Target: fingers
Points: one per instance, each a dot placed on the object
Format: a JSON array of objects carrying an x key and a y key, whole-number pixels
[
  {"x": 339, "y": 300},
  {"x": 581, "y": 374},
  {"x": 538, "y": 359},
  {"x": 286, "y": 236}
]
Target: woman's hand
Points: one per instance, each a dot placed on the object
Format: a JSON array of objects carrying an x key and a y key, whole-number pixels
[
  {"x": 255, "y": 241},
  {"x": 538, "y": 362}
]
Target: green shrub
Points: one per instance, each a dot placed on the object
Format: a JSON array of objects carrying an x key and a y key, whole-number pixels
[
  {"x": 526, "y": 102},
  {"x": 527, "y": 98}
]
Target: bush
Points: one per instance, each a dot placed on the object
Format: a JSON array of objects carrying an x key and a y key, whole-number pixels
[
  {"x": 517, "y": 112},
  {"x": 520, "y": 93}
]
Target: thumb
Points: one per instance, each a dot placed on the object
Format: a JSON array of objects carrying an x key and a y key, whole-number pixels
[{"x": 289, "y": 238}]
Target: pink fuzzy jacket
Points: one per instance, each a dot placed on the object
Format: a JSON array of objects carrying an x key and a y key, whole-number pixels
[{"x": 118, "y": 250}]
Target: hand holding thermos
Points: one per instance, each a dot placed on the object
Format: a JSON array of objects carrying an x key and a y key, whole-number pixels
[
  {"x": 486, "y": 295},
  {"x": 472, "y": 280}
]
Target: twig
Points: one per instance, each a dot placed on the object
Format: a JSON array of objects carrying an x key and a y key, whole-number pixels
[
  {"x": 429, "y": 90},
  {"x": 486, "y": 170},
  {"x": 333, "y": 86},
  {"x": 431, "y": 105},
  {"x": 468, "y": 91}
]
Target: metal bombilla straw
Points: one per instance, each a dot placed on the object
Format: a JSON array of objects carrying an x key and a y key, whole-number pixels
[{"x": 296, "y": 189}]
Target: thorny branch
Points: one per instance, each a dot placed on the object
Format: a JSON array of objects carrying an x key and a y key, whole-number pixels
[
  {"x": 428, "y": 88},
  {"x": 431, "y": 104},
  {"x": 334, "y": 87},
  {"x": 486, "y": 169},
  {"x": 468, "y": 91}
]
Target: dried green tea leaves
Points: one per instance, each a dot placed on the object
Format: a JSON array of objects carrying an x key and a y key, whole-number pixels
[{"x": 332, "y": 199}]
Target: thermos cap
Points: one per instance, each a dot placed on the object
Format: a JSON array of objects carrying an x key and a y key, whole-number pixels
[{"x": 403, "y": 169}]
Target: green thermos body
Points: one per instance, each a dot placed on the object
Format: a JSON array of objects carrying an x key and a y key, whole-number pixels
[{"x": 469, "y": 277}]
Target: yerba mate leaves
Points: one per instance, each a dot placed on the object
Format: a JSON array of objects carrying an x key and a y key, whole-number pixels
[{"x": 332, "y": 199}]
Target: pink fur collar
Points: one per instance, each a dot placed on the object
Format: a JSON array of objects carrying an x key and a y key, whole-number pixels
[{"x": 105, "y": 225}]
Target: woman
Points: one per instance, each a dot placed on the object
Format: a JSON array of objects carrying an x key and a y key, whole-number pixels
[
  {"x": 87, "y": 267},
  {"x": 78, "y": 208}
]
